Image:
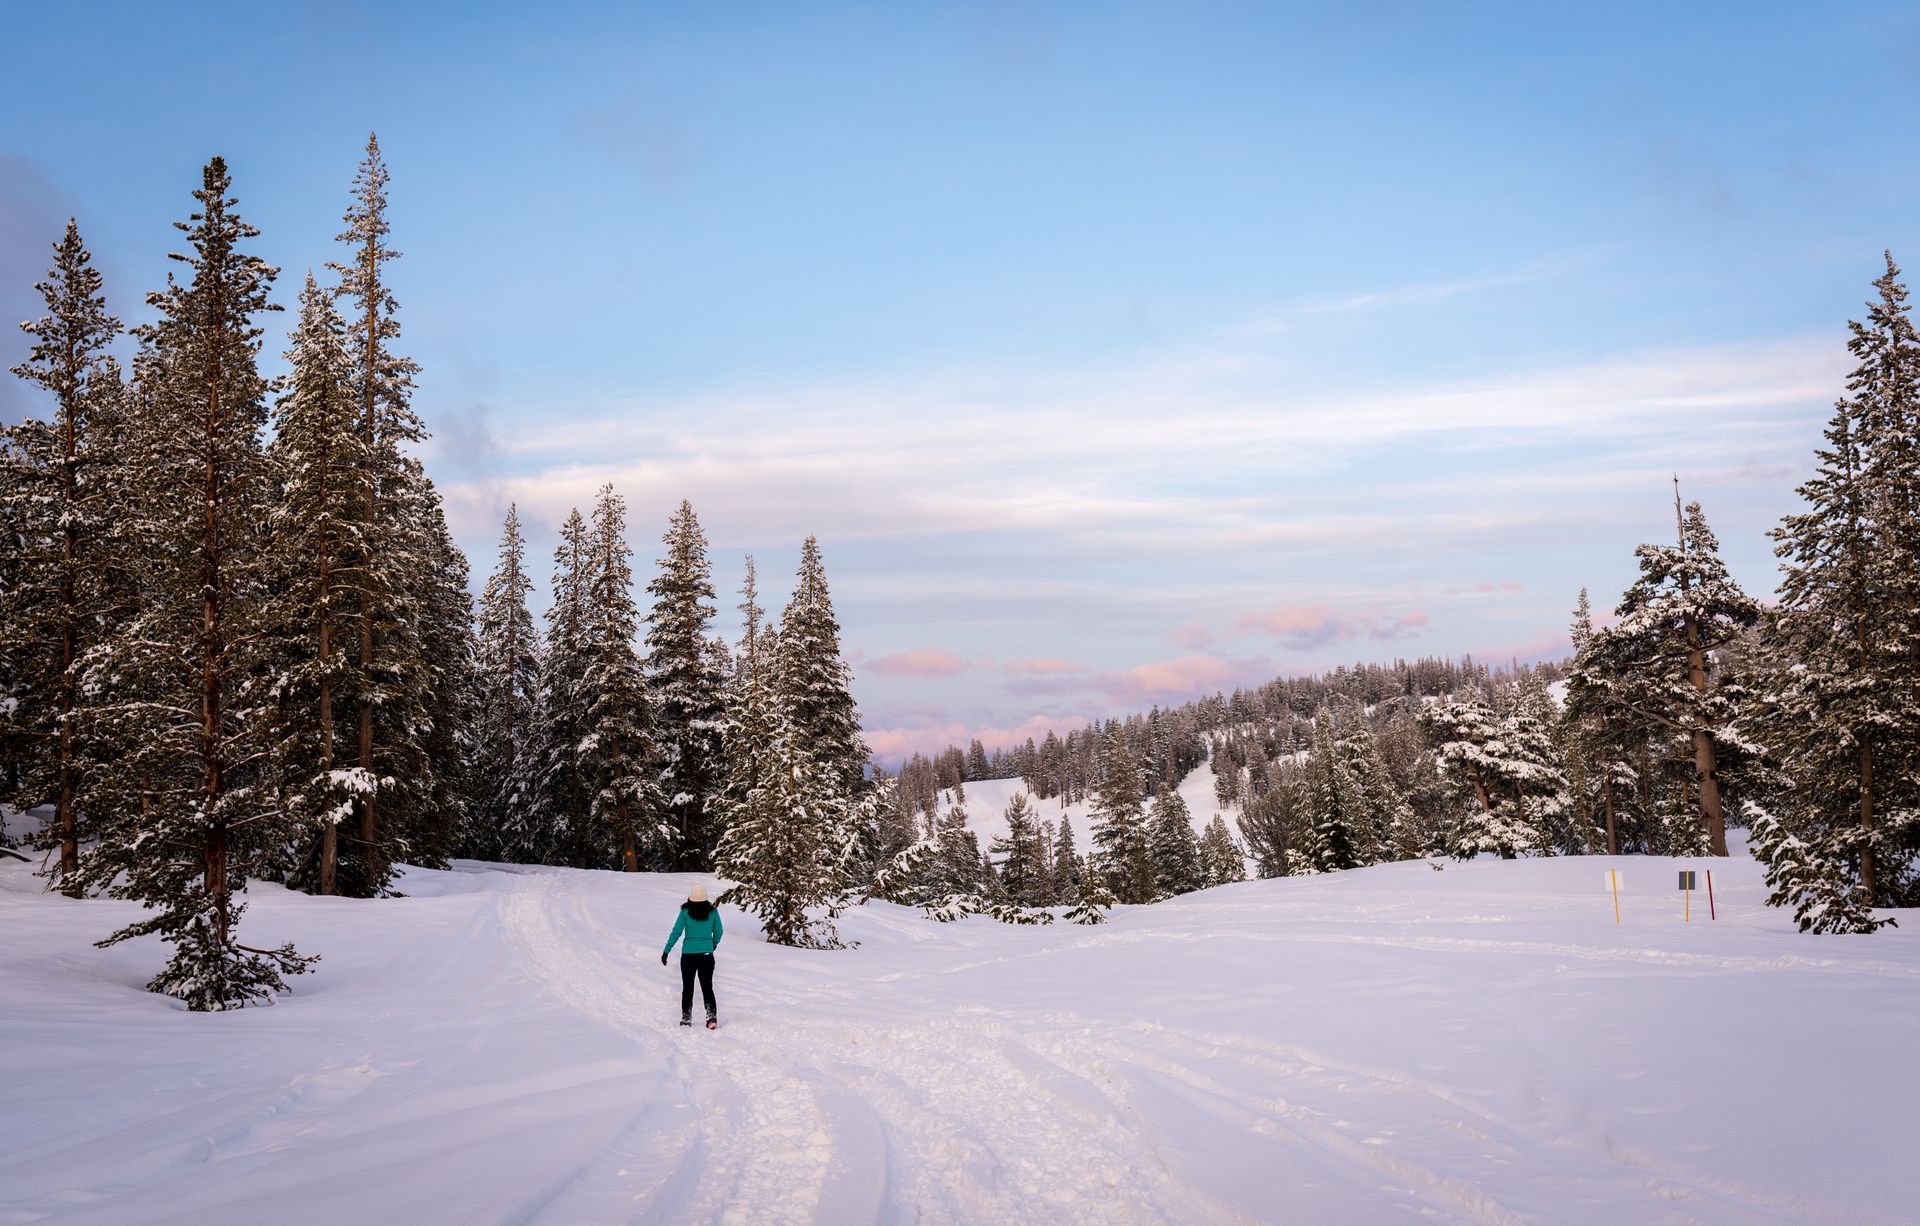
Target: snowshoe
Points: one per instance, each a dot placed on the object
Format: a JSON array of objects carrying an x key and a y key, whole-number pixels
[
  {"x": 686, "y": 1021},
  {"x": 713, "y": 1023}
]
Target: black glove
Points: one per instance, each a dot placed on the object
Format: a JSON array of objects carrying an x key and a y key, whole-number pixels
[{"x": 663, "y": 957}]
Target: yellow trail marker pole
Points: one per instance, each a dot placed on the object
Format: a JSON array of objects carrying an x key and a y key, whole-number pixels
[
  {"x": 1688, "y": 894},
  {"x": 1613, "y": 878}
]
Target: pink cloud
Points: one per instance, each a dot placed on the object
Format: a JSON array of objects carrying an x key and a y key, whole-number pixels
[
  {"x": 924, "y": 662},
  {"x": 1308, "y": 626},
  {"x": 1161, "y": 681},
  {"x": 1045, "y": 665},
  {"x": 1194, "y": 636},
  {"x": 1406, "y": 626},
  {"x": 1486, "y": 587}
]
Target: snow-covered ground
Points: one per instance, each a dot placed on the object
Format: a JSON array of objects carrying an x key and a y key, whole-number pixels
[{"x": 1478, "y": 1044}]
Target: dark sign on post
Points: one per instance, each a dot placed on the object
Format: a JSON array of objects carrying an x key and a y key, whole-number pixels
[{"x": 1688, "y": 881}]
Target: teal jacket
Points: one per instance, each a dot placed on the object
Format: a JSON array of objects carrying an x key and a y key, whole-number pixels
[{"x": 703, "y": 935}]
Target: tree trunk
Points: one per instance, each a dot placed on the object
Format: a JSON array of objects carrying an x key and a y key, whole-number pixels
[
  {"x": 1613, "y": 834},
  {"x": 370, "y": 509},
  {"x": 215, "y": 872},
  {"x": 65, "y": 819},
  {"x": 1868, "y": 881},
  {"x": 329, "y": 830},
  {"x": 216, "y": 882}
]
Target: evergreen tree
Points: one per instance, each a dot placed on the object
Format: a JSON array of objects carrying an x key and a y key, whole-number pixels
[
  {"x": 315, "y": 456},
  {"x": 1477, "y": 752},
  {"x": 507, "y": 693},
  {"x": 1022, "y": 856},
  {"x": 1119, "y": 828},
  {"x": 1815, "y": 880},
  {"x": 815, "y": 680},
  {"x": 1266, "y": 824},
  {"x": 778, "y": 813},
  {"x": 1658, "y": 662},
  {"x": 1839, "y": 707},
  {"x": 1174, "y": 847},
  {"x": 388, "y": 679},
  {"x": 1093, "y": 899},
  {"x": 1066, "y": 864},
  {"x": 558, "y": 778},
  {"x": 1386, "y": 824},
  {"x": 186, "y": 674},
  {"x": 1220, "y": 860},
  {"x": 58, "y": 597},
  {"x": 687, "y": 692},
  {"x": 1339, "y": 831},
  {"x": 626, "y": 798},
  {"x": 438, "y": 825}
]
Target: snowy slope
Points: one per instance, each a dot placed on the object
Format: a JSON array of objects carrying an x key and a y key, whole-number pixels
[
  {"x": 1479, "y": 1044},
  {"x": 986, "y": 803}
]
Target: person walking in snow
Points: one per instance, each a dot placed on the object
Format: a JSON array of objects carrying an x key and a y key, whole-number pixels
[{"x": 699, "y": 923}]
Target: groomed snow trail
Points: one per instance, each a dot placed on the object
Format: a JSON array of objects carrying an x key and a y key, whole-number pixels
[
  {"x": 1479, "y": 1045},
  {"x": 943, "y": 1119}
]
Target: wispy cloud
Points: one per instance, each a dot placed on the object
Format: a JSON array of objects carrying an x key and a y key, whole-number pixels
[
  {"x": 925, "y": 663},
  {"x": 1309, "y": 627}
]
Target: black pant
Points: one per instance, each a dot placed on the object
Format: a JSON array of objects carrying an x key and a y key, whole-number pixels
[{"x": 691, "y": 965}]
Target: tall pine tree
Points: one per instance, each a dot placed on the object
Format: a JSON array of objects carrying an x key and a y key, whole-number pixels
[
  {"x": 687, "y": 692},
  {"x": 187, "y": 672},
  {"x": 62, "y": 593}
]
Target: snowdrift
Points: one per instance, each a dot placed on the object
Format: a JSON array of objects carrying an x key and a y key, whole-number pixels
[{"x": 1477, "y": 1044}]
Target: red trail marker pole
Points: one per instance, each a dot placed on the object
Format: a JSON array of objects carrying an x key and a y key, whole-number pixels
[{"x": 1712, "y": 913}]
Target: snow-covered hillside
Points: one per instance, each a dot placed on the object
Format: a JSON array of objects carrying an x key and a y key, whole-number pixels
[
  {"x": 1478, "y": 1044},
  {"x": 985, "y": 801}
]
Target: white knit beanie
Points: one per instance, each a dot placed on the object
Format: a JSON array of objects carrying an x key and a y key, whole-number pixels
[{"x": 697, "y": 894}]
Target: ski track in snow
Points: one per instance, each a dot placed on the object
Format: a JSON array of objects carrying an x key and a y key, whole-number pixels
[
  {"x": 957, "y": 1115},
  {"x": 977, "y": 1125}
]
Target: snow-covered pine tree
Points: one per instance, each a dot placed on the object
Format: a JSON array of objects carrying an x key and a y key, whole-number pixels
[
  {"x": 1475, "y": 752},
  {"x": 1339, "y": 832},
  {"x": 1885, "y": 390},
  {"x": 59, "y": 597},
  {"x": 1838, "y": 703},
  {"x": 1386, "y": 823},
  {"x": 814, "y": 678},
  {"x": 387, "y": 682},
  {"x": 560, "y": 778},
  {"x": 1267, "y": 824},
  {"x": 1817, "y": 881},
  {"x": 1066, "y": 864},
  {"x": 1174, "y": 847},
  {"x": 1220, "y": 860},
  {"x": 189, "y": 672},
  {"x": 1533, "y": 770},
  {"x": 687, "y": 692},
  {"x": 1119, "y": 826},
  {"x": 1658, "y": 662},
  {"x": 436, "y": 826},
  {"x": 1593, "y": 821},
  {"x": 508, "y": 687},
  {"x": 315, "y": 456},
  {"x": 622, "y": 762},
  {"x": 1022, "y": 856},
  {"x": 1094, "y": 898},
  {"x": 1607, "y": 740},
  {"x": 957, "y": 869},
  {"x": 777, "y": 815}
]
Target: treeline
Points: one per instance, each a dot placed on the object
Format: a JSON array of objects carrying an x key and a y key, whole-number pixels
[{"x": 236, "y": 641}]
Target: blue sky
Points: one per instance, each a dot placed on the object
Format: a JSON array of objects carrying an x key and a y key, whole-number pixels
[{"x": 1115, "y": 352}]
